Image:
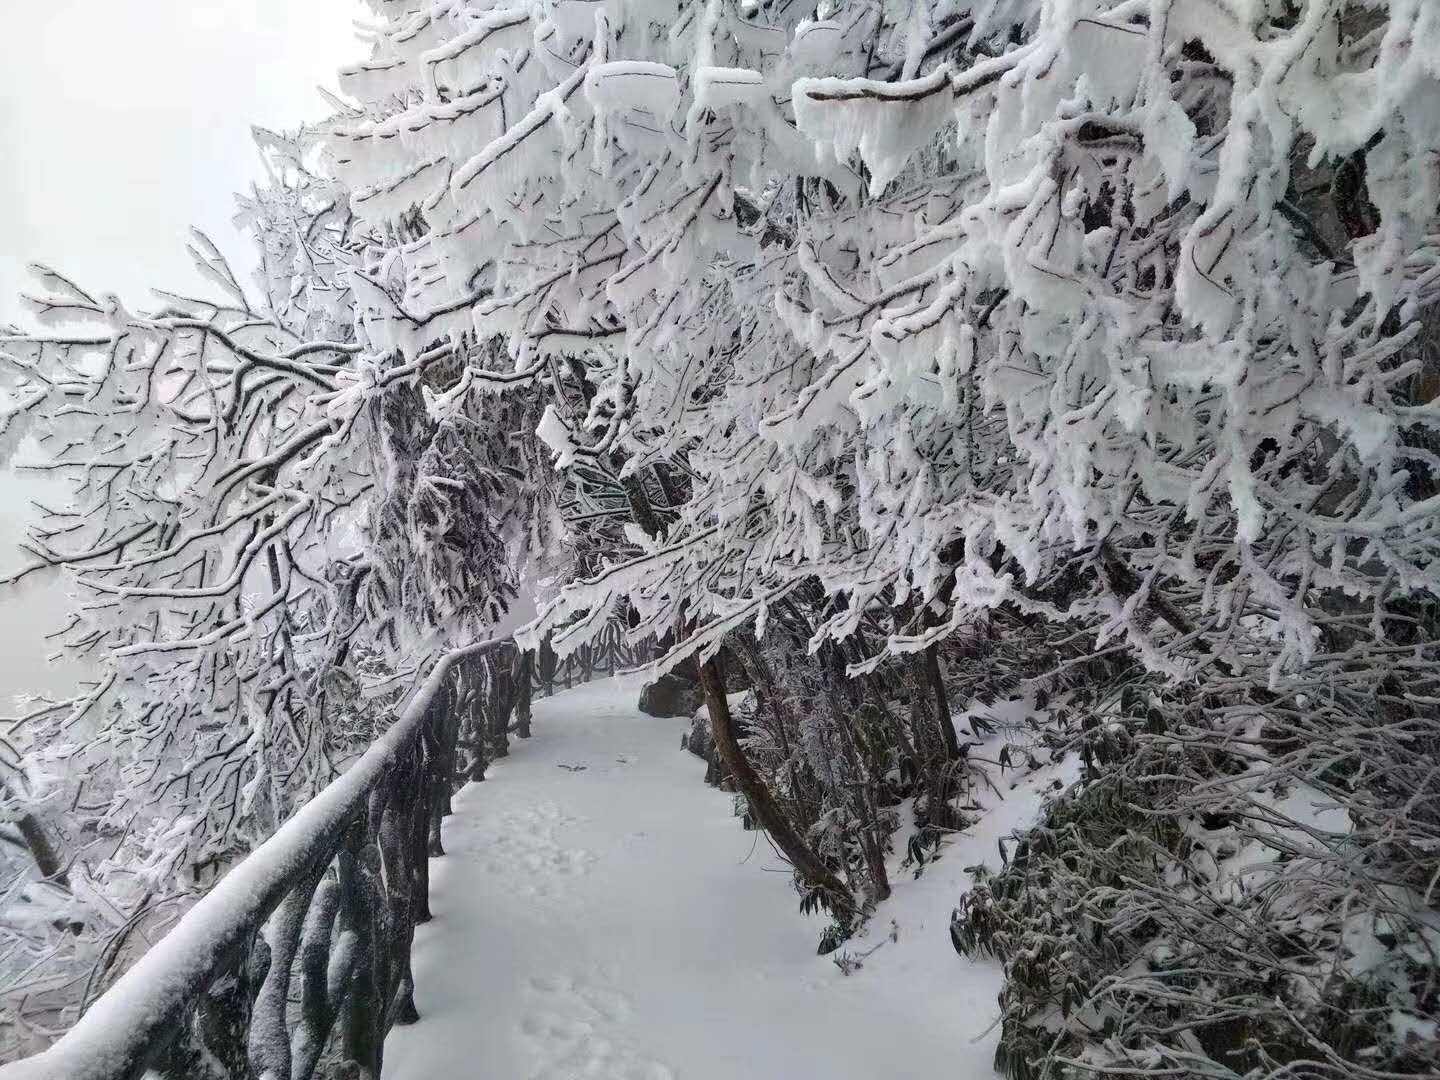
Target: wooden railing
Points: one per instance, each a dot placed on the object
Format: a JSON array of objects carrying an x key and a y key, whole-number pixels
[
  {"x": 301, "y": 952},
  {"x": 609, "y": 654},
  {"x": 299, "y": 957}
]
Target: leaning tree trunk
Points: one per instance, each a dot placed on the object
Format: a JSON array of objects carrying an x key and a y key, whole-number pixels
[
  {"x": 940, "y": 700},
  {"x": 940, "y": 757},
  {"x": 767, "y": 814},
  {"x": 42, "y": 849}
]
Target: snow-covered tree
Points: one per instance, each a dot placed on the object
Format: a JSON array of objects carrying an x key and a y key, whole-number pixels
[
  {"x": 850, "y": 330},
  {"x": 783, "y": 291},
  {"x": 1114, "y": 314},
  {"x": 263, "y": 534}
]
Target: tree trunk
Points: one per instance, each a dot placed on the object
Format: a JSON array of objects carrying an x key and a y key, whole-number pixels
[
  {"x": 42, "y": 849},
  {"x": 640, "y": 508},
  {"x": 862, "y": 805},
  {"x": 806, "y": 863},
  {"x": 930, "y": 667}
]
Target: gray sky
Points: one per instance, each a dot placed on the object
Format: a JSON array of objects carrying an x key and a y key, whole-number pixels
[
  {"x": 121, "y": 124},
  {"x": 124, "y": 123}
]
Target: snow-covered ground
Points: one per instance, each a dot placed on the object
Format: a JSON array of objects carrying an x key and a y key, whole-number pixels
[{"x": 600, "y": 913}]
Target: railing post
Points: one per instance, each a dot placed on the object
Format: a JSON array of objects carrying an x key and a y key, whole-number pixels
[
  {"x": 214, "y": 1032},
  {"x": 404, "y": 844},
  {"x": 473, "y": 712},
  {"x": 443, "y": 723},
  {"x": 499, "y": 703},
  {"x": 441, "y": 739},
  {"x": 524, "y": 667},
  {"x": 218, "y": 1003},
  {"x": 319, "y": 1008},
  {"x": 363, "y": 1015},
  {"x": 268, "y": 1042},
  {"x": 546, "y": 664}
]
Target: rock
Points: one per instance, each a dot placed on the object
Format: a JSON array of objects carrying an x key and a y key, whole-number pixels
[
  {"x": 670, "y": 695},
  {"x": 700, "y": 742}
]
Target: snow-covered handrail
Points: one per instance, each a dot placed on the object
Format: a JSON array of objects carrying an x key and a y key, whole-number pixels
[
  {"x": 342, "y": 885},
  {"x": 610, "y": 653}
]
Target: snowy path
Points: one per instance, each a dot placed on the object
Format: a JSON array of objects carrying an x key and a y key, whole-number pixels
[{"x": 601, "y": 914}]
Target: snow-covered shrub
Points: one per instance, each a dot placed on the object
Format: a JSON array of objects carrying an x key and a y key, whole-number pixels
[{"x": 1196, "y": 905}]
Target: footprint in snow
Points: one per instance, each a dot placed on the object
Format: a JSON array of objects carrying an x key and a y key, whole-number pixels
[
  {"x": 570, "y": 1024},
  {"x": 523, "y": 851}
]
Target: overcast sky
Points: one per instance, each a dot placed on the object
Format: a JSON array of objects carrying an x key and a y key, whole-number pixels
[{"x": 121, "y": 124}]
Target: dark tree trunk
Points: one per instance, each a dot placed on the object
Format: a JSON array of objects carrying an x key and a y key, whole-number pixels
[
  {"x": 940, "y": 700},
  {"x": 640, "y": 508},
  {"x": 669, "y": 487},
  {"x": 928, "y": 669},
  {"x": 767, "y": 814},
  {"x": 940, "y": 755},
  {"x": 42, "y": 849}
]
